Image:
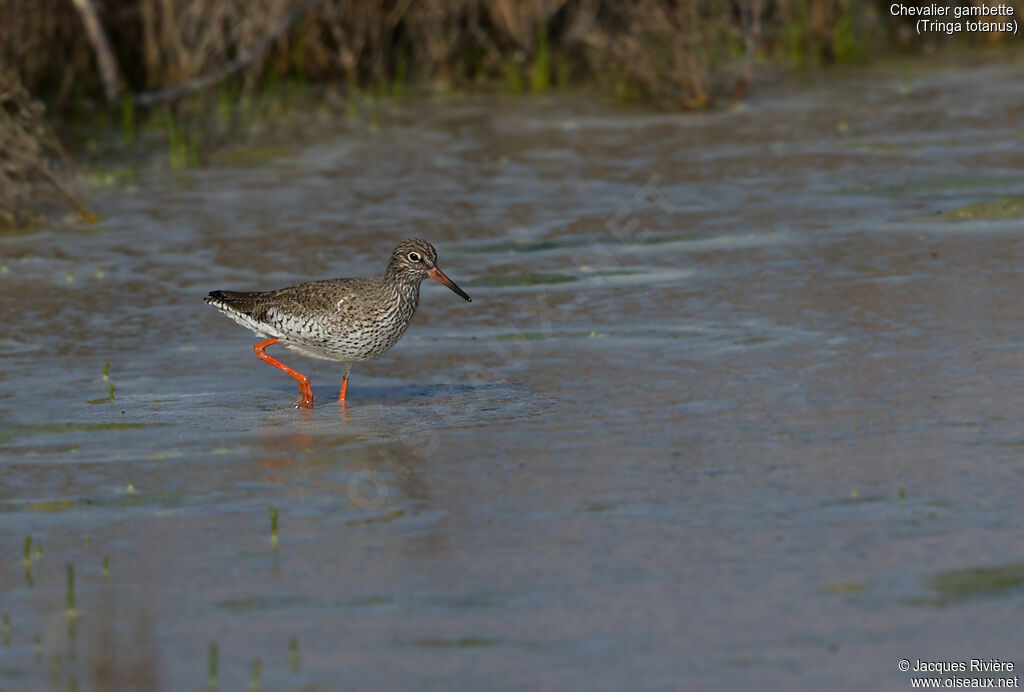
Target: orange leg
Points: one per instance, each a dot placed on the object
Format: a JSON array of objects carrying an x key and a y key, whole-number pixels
[
  {"x": 305, "y": 399},
  {"x": 344, "y": 385}
]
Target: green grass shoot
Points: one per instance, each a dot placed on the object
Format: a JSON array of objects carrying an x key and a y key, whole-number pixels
[
  {"x": 213, "y": 665},
  {"x": 127, "y": 117},
  {"x": 398, "y": 83},
  {"x": 71, "y": 592},
  {"x": 541, "y": 78},
  {"x": 254, "y": 681}
]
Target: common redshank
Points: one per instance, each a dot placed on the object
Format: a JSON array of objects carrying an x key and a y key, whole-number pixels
[{"x": 344, "y": 320}]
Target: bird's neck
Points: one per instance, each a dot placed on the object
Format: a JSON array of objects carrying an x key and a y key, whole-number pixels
[{"x": 406, "y": 291}]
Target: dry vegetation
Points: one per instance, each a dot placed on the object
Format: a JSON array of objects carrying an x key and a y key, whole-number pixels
[
  {"x": 79, "y": 54},
  {"x": 678, "y": 51},
  {"x": 32, "y": 162}
]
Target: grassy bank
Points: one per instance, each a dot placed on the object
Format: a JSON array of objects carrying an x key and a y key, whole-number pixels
[
  {"x": 128, "y": 59},
  {"x": 684, "y": 53}
]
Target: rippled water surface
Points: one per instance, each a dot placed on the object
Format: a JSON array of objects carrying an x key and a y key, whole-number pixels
[{"x": 737, "y": 403}]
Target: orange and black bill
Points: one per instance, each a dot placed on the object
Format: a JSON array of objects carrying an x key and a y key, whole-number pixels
[{"x": 439, "y": 276}]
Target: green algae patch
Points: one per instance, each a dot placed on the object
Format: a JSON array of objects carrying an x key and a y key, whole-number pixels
[
  {"x": 238, "y": 157},
  {"x": 1005, "y": 208},
  {"x": 754, "y": 340},
  {"x": 163, "y": 498},
  {"x": 961, "y": 584},
  {"x": 854, "y": 498},
  {"x": 371, "y": 601},
  {"x": 52, "y": 507},
  {"x": 951, "y": 184},
  {"x": 528, "y": 279},
  {"x": 938, "y": 603},
  {"x": 383, "y": 519},
  {"x": 512, "y": 246},
  {"x": 521, "y": 336},
  {"x": 251, "y": 605},
  {"x": 460, "y": 643},
  {"x": 59, "y": 428},
  {"x": 537, "y": 336},
  {"x": 64, "y": 428}
]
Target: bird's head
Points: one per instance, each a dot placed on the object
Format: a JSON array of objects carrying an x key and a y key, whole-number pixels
[{"x": 414, "y": 260}]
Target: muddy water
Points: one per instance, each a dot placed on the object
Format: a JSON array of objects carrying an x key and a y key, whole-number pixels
[{"x": 737, "y": 403}]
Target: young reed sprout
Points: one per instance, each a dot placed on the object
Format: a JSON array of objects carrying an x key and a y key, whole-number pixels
[
  {"x": 273, "y": 527},
  {"x": 212, "y": 666},
  {"x": 71, "y": 591},
  {"x": 127, "y": 117},
  {"x": 293, "y": 654},
  {"x": 254, "y": 682},
  {"x": 5, "y": 627},
  {"x": 106, "y": 568},
  {"x": 27, "y": 559}
]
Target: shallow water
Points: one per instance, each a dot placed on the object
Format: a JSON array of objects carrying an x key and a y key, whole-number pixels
[{"x": 736, "y": 403}]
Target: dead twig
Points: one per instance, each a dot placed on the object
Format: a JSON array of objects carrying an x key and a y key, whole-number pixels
[
  {"x": 101, "y": 47},
  {"x": 246, "y": 58},
  {"x": 29, "y": 153}
]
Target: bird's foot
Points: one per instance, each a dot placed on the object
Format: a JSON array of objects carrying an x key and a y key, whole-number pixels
[{"x": 305, "y": 398}]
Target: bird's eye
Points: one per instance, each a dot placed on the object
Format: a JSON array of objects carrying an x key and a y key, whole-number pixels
[{"x": 414, "y": 257}]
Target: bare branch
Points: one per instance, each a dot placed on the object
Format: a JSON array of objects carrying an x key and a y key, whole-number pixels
[
  {"x": 246, "y": 58},
  {"x": 101, "y": 46}
]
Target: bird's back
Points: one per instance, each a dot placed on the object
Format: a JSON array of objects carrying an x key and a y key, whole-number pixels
[{"x": 335, "y": 319}]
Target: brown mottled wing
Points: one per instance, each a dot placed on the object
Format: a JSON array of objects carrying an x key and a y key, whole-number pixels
[
  {"x": 338, "y": 319},
  {"x": 323, "y": 302}
]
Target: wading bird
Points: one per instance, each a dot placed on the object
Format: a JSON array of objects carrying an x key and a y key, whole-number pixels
[{"x": 344, "y": 320}]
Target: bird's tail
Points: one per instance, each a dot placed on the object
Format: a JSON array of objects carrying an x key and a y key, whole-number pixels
[
  {"x": 244, "y": 308},
  {"x": 235, "y": 301}
]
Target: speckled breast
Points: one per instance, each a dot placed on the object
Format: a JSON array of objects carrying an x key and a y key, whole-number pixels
[{"x": 367, "y": 335}]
